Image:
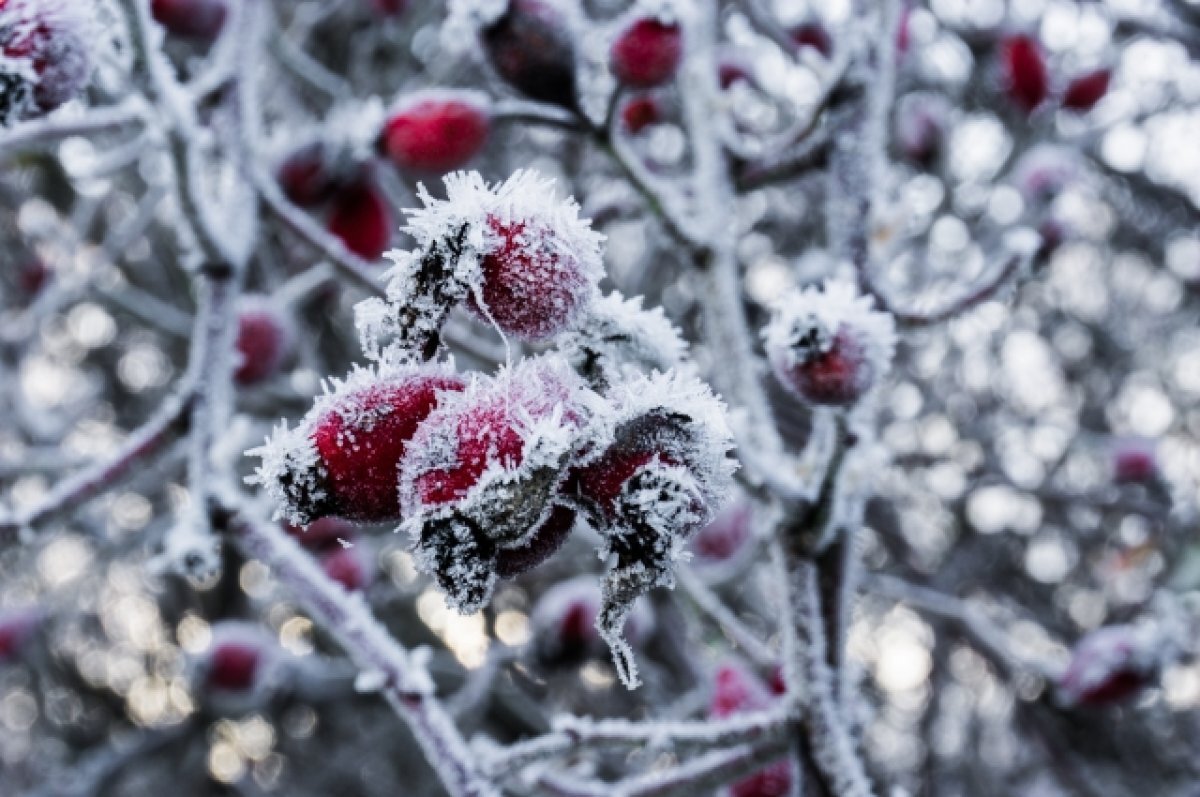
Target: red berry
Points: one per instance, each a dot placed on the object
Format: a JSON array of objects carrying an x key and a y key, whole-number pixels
[
  {"x": 921, "y": 121},
  {"x": 531, "y": 47},
  {"x": 362, "y": 219},
  {"x": 389, "y": 8},
  {"x": 726, "y": 535},
  {"x": 17, "y": 627},
  {"x": 306, "y": 175},
  {"x": 1108, "y": 666},
  {"x": 737, "y": 690},
  {"x": 201, "y": 20},
  {"x": 733, "y": 66},
  {"x": 323, "y": 533},
  {"x": 1026, "y": 79},
  {"x": 837, "y": 377},
  {"x": 647, "y": 53},
  {"x": 350, "y": 567},
  {"x": 233, "y": 665},
  {"x": 264, "y": 340},
  {"x": 812, "y": 34},
  {"x": 1085, "y": 91},
  {"x": 564, "y": 621},
  {"x": 1134, "y": 462},
  {"x": 32, "y": 276},
  {"x": 51, "y": 39},
  {"x": 436, "y": 132},
  {"x": 532, "y": 287},
  {"x": 641, "y": 112}
]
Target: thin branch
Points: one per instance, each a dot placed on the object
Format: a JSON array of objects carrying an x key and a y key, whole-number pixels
[
  {"x": 708, "y": 602},
  {"x": 973, "y": 297},
  {"x": 41, "y": 133}
]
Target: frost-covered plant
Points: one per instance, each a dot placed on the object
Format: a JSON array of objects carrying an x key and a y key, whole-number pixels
[{"x": 46, "y": 55}]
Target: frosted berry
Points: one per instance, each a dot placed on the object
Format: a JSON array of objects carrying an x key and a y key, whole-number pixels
[
  {"x": 1026, "y": 80},
  {"x": 344, "y": 458},
  {"x": 265, "y": 338},
  {"x": 361, "y": 217},
  {"x": 640, "y": 113},
  {"x": 17, "y": 628},
  {"x": 1134, "y": 461},
  {"x": 351, "y": 567},
  {"x": 531, "y": 47},
  {"x": 240, "y": 669},
  {"x": 1086, "y": 90},
  {"x": 201, "y": 20},
  {"x": 812, "y": 34},
  {"x": 1108, "y": 666},
  {"x": 564, "y": 622},
  {"x": 829, "y": 347},
  {"x": 322, "y": 534},
  {"x": 45, "y": 55},
  {"x": 233, "y": 666},
  {"x": 726, "y": 536},
  {"x": 647, "y": 53},
  {"x": 436, "y": 131},
  {"x": 307, "y": 175},
  {"x": 736, "y": 690}
]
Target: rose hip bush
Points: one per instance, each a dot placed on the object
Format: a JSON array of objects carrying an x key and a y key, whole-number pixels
[{"x": 598, "y": 397}]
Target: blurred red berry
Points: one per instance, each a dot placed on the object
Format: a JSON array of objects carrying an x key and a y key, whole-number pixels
[
  {"x": 361, "y": 217},
  {"x": 306, "y": 175},
  {"x": 736, "y": 690},
  {"x": 1109, "y": 665},
  {"x": 921, "y": 122},
  {"x": 389, "y": 8},
  {"x": 201, "y": 20},
  {"x": 641, "y": 112},
  {"x": 726, "y": 535},
  {"x": 837, "y": 377},
  {"x": 350, "y": 567},
  {"x": 1026, "y": 79},
  {"x": 323, "y": 533},
  {"x": 1134, "y": 462},
  {"x": 732, "y": 67},
  {"x": 32, "y": 275},
  {"x": 532, "y": 48},
  {"x": 436, "y": 132},
  {"x": 264, "y": 340},
  {"x": 17, "y": 627},
  {"x": 233, "y": 665},
  {"x": 647, "y": 53},
  {"x": 1085, "y": 91},
  {"x": 812, "y": 34}
]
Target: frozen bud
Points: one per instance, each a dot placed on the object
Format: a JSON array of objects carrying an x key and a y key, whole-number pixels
[
  {"x": 1110, "y": 665},
  {"x": 436, "y": 131},
  {"x": 17, "y": 629},
  {"x": 564, "y": 622},
  {"x": 641, "y": 112},
  {"x": 922, "y": 120},
  {"x": 1084, "y": 91},
  {"x": 361, "y": 217},
  {"x": 240, "y": 669},
  {"x": 351, "y": 566},
  {"x": 660, "y": 475},
  {"x": 812, "y": 34},
  {"x": 647, "y": 52},
  {"x": 521, "y": 256},
  {"x": 532, "y": 47},
  {"x": 491, "y": 459},
  {"x": 829, "y": 347},
  {"x": 389, "y": 8},
  {"x": 344, "y": 457},
  {"x": 265, "y": 338},
  {"x": 726, "y": 536},
  {"x": 1024, "y": 74},
  {"x": 737, "y": 690},
  {"x": 1043, "y": 172},
  {"x": 201, "y": 20},
  {"x": 45, "y": 55},
  {"x": 307, "y": 175},
  {"x": 1134, "y": 461},
  {"x": 323, "y": 533}
]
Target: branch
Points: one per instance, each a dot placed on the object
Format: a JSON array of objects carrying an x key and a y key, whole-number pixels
[
  {"x": 41, "y": 133},
  {"x": 708, "y": 602},
  {"x": 973, "y": 297}
]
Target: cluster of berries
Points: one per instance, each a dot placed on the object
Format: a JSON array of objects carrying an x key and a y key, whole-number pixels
[
  {"x": 45, "y": 55},
  {"x": 490, "y": 473}
]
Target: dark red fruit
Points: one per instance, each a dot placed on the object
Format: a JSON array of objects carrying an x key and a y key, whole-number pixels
[
  {"x": 233, "y": 666},
  {"x": 191, "y": 19},
  {"x": 838, "y": 377},
  {"x": 812, "y": 34},
  {"x": 726, "y": 536},
  {"x": 532, "y": 48},
  {"x": 349, "y": 567},
  {"x": 32, "y": 276},
  {"x": 1107, "y": 667},
  {"x": 921, "y": 129},
  {"x": 1026, "y": 79},
  {"x": 641, "y": 112},
  {"x": 306, "y": 175},
  {"x": 362, "y": 219},
  {"x": 735, "y": 691},
  {"x": 17, "y": 627},
  {"x": 1134, "y": 462},
  {"x": 435, "y": 133},
  {"x": 322, "y": 534},
  {"x": 264, "y": 341},
  {"x": 1085, "y": 91},
  {"x": 647, "y": 53},
  {"x": 733, "y": 67}
]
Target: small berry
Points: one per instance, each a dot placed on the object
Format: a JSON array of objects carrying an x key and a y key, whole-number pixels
[
  {"x": 647, "y": 53},
  {"x": 736, "y": 690},
  {"x": 350, "y": 567},
  {"x": 45, "y": 56},
  {"x": 733, "y": 66},
  {"x": 32, "y": 275},
  {"x": 240, "y": 669},
  {"x": 436, "y": 131},
  {"x": 17, "y": 628},
  {"x": 201, "y": 20},
  {"x": 531, "y": 47},
  {"x": 362, "y": 219},
  {"x": 344, "y": 458},
  {"x": 264, "y": 340},
  {"x": 829, "y": 347},
  {"x": 1085, "y": 91},
  {"x": 307, "y": 176},
  {"x": 564, "y": 622},
  {"x": 1134, "y": 461},
  {"x": 1108, "y": 666},
  {"x": 726, "y": 536},
  {"x": 641, "y": 112},
  {"x": 1026, "y": 79},
  {"x": 812, "y": 34},
  {"x": 323, "y": 533},
  {"x": 921, "y": 122},
  {"x": 233, "y": 666}
]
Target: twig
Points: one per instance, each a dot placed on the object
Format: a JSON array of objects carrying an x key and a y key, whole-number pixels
[{"x": 708, "y": 602}]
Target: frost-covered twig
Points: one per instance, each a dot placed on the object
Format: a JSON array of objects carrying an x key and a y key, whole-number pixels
[
  {"x": 400, "y": 676},
  {"x": 973, "y": 297},
  {"x": 42, "y": 133},
  {"x": 754, "y": 648}
]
